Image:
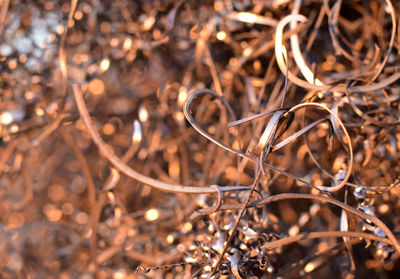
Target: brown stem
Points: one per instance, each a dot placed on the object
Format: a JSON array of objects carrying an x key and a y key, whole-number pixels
[{"x": 91, "y": 195}]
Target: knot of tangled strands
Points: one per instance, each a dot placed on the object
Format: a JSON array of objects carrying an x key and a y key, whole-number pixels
[{"x": 271, "y": 135}]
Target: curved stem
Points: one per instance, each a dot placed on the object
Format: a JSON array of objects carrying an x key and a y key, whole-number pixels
[
  {"x": 92, "y": 193},
  {"x": 313, "y": 235}
]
